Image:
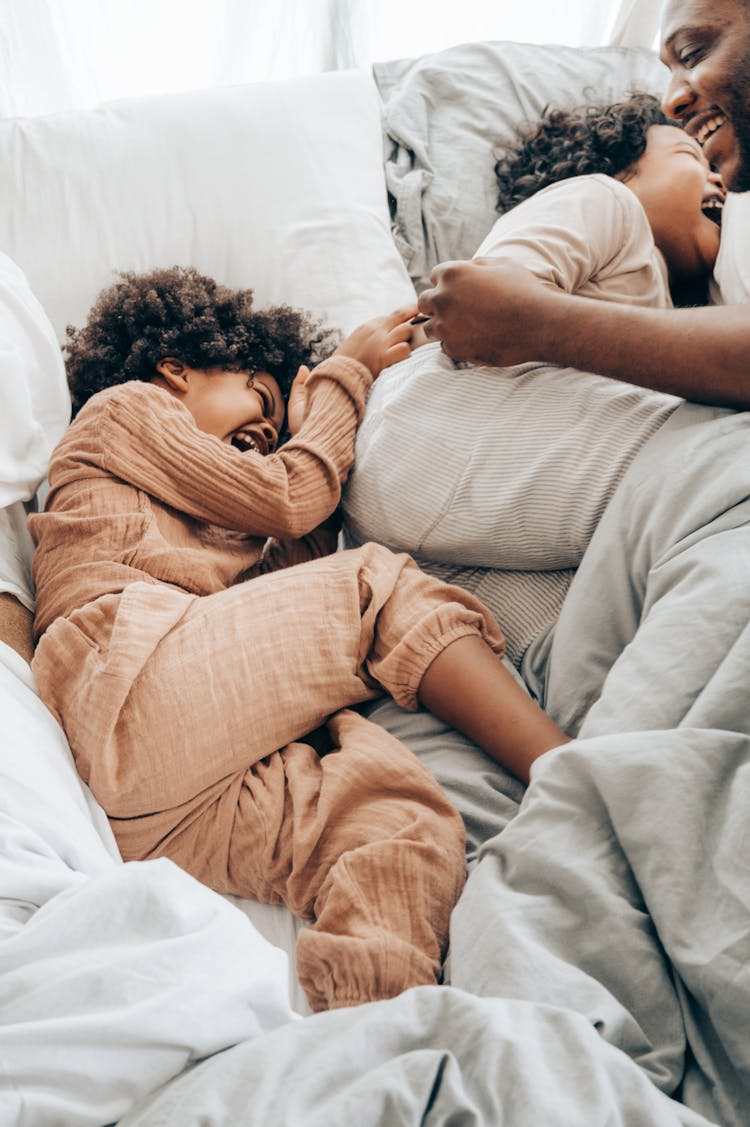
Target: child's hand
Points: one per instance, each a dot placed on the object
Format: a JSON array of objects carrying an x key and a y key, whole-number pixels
[
  {"x": 381, "y": 342},
  {"x": 296, "y": 406}
]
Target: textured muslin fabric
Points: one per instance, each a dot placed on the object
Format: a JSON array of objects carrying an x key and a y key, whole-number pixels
[
  {"x": 364, "y": 823},
  {"x": 164, "y": 694},
  {"x": 175, "y": 706},
  {"x": 139, "y": 493},
  {"x": 527, "y": 601},
  {"x": 181, "y": 653}
]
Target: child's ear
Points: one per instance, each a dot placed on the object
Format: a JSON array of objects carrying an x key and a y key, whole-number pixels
[{"x": 174, "y": 372}]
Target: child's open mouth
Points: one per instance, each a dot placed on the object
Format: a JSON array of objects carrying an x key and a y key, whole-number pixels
[
  {"x": 712, "y": 207},
  {"x": 243, "y": 440}
]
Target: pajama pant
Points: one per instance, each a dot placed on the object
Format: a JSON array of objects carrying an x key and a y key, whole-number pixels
[{"x": 176, "y": 707}]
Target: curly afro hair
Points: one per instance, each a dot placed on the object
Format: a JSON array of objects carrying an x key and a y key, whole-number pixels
[
  {"x": 598, "y": 138},
  {"x": 178, "y": 312}
]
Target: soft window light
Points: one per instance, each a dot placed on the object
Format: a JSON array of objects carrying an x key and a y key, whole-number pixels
[{"x": 72, "y": 54}]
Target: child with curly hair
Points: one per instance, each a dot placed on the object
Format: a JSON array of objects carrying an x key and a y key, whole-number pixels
[
  {"x": 614, "y": 202},
  {"x": 201, "y": 641}
]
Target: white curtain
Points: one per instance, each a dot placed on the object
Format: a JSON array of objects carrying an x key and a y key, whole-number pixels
[
  {"x": 636, "y": 23},
  {"x": 63, "y": 54}
]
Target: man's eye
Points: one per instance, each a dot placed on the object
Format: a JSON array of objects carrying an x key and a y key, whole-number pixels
[{"x": 689, "y": 56}]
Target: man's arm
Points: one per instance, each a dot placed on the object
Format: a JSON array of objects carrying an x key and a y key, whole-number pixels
[{"x": 493, "y": 313}]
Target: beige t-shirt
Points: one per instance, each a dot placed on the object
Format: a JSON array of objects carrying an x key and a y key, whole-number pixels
[{"x": 588, "y": 235}]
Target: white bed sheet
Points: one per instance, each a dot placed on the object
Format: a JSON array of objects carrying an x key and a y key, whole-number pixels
[{"x": 113, "y": 977}]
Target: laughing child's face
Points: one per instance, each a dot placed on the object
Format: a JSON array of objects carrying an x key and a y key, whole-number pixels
[
  {"x": 682, "y": 198},
  {"x": 242, "y": 408}
]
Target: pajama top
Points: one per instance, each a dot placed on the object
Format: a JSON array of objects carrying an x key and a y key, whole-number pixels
[{"x": 139, "y": 493}]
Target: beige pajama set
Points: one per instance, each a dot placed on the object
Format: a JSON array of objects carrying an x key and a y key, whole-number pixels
[{"x": 187, "y": 658}]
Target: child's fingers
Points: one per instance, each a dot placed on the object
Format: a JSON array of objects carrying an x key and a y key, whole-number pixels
[
  {"x": 396, "y": 353},
  {"x": 405, "y": 314},
  {"x": 399, "y": 343},
  {"x": 401, "y": 332},
  {"x": 302, "y": 373}
]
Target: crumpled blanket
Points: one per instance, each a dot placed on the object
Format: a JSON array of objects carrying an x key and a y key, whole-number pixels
[
  {"x": 113, "y": 978},
  {"x": 430, "y": 1057},
  {"x": 621, "y": 890}
]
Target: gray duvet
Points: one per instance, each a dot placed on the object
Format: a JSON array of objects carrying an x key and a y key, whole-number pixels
[
  {"x": 600, "y": 954},
  {"x": 434, "y": 1057}
]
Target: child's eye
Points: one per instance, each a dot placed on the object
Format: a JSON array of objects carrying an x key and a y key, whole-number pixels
[
  {"x": 262, "y": 390},
  {"x": 691, "y": 152}
]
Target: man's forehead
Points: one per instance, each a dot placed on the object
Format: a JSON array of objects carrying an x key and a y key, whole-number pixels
[{"x": 680, "y": 14}]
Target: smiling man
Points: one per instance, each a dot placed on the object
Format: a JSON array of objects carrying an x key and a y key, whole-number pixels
[
  {"x": 491, "y": 313},
  {"x": 707, "y": 48}
]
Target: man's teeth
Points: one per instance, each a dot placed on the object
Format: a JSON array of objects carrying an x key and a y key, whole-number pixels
[{"x": 709, "y": 127}]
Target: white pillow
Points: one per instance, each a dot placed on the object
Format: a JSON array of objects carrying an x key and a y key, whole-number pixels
[
  {"x": 34, "y": 401},
  {"x": 276, "y": 186},
  {"x": 34, "y": 411}
]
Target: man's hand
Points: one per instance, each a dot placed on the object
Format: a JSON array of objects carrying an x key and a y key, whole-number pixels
[
  {"x": 486, "y": 311},
  {"x": 490, "y": 311}
]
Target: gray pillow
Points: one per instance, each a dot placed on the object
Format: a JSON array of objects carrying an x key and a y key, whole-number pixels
[{"x": 445, "y": 113}]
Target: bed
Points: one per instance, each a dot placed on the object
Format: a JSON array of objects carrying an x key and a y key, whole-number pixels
[{"x": 598, "y": 966}]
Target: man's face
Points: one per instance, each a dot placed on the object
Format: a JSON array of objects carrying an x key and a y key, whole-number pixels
[{"x": 706, "y": 45}]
